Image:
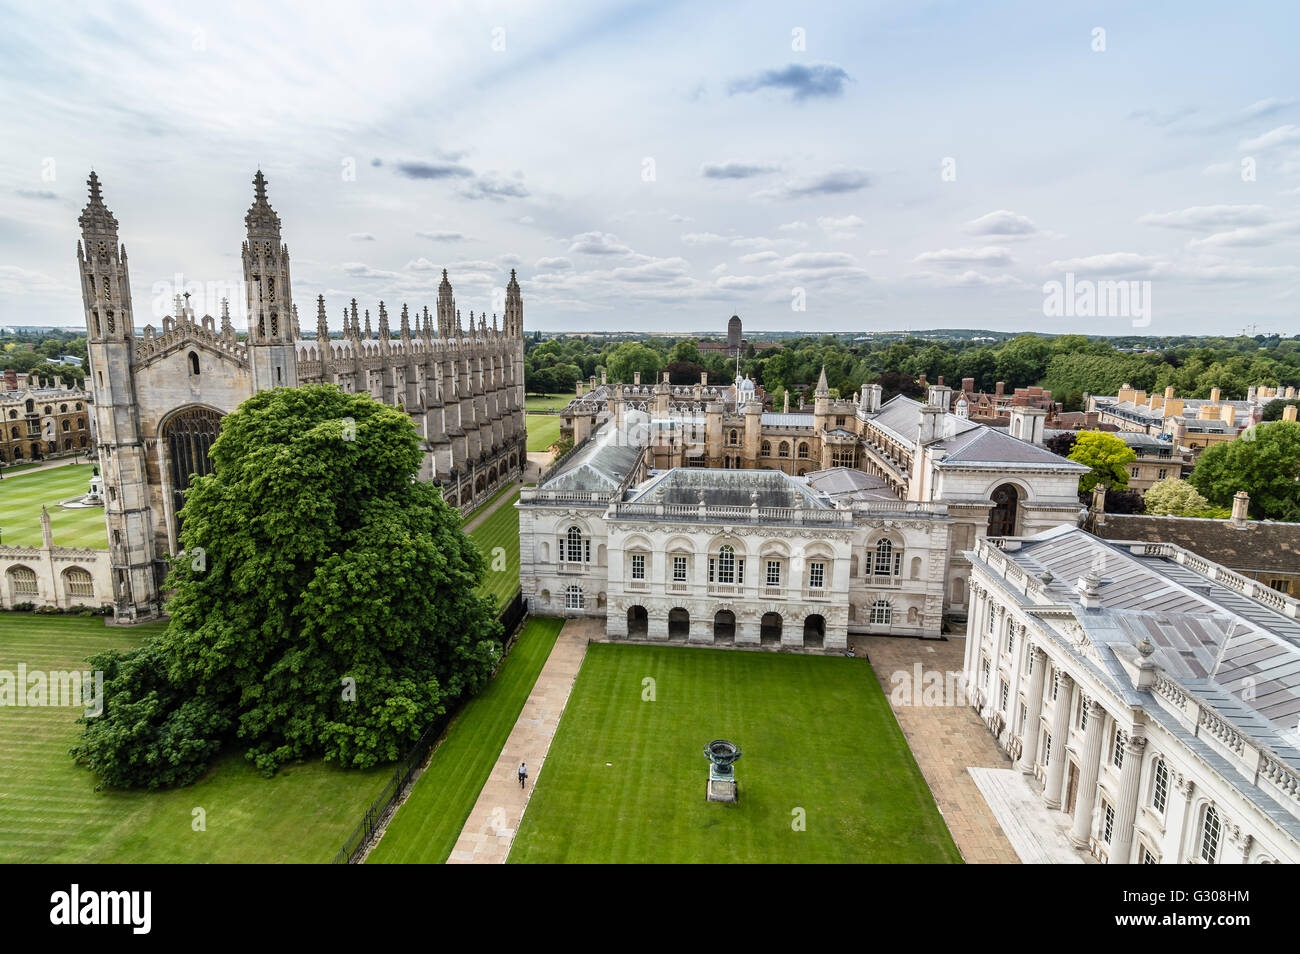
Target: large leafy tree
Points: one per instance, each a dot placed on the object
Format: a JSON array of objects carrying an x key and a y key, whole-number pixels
[
  {"x": 630, "y": 357},
  {"x": 1107, "y": 455},
  {"x": 1174, "y": 496},
  {"x": 325, "y": 604},
  {"x": 1264, "y": 461}
]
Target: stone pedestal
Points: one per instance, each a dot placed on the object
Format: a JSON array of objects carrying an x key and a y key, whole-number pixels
[{"x": 722, "y": 791}]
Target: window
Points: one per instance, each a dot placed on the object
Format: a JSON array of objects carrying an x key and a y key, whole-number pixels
[
  {"x": 1160, "y": 787},
  {"x": 767, "y": 448},
  {"x": 1047, "y": 748},
  {"x": 22, "y": 581},
  {"x": 1024, "y": 717},
  {"x": 882, "y": 614},
  {"x": 679, "y": 569},
  {"x": 1147, "y": 857},
  {"x": 803, "y": 450},
  {"x": 783, "y": 450},
  {"x": 194, "y": 363},
  {"x": 1083, "y": 713},
  {"x": 733, "y": 437},
  {"x": 573, "y": 598},
  {"x": 574, "y": 548},
  {"x": 1133, "y": 472},
  {"x": 816, "y": 576},
  {"x": 1056, "y": 684},
  {"x": 884, "y": 558},
  {"x": 1004, "y": 695},
  {"x": 992, "y": 618},
  {"x": 79, "y": 582},
  {"x": 722, "y": 569},
  {"x": 638, "y": 566},
  {"x": 1011, "y": 639},
  {"x": 1107, "y": 822},
  {"x": 773, "y": 573},
  {"x": 1162, "y": 473},
  {"x": 984, "y": 674},
  {"x": 840, "y": 420},
  {"x": 1117, "y": 750},
  {"x": 1210, "y": 830}
]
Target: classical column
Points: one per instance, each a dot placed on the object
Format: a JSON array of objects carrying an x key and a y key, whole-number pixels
[
  {"x": 1034, "y": 710},
  {"x": 1060, "y": 732},
  {"x": 1126, "y": 811},
  {"x": 1089, "y": 764}
]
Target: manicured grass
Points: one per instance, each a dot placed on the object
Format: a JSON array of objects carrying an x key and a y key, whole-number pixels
[
  {"x": 22, "y": 495},
  {"x": 547, "y": 402},
  {"x": 50, "y": 812},
  {"x": 625, "y": 778},
  {"x": 543, "y": 430},
  {"x": 426, "y": 827},
  {"x": 500, "y": 529}
]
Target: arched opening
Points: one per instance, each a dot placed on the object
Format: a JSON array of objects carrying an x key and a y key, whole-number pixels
[
  {"x": 679, "y": 623},
  {"x": 194, "y": 363},
  {"x": 188, "y": 435},
  {"x": 724, "y": 626},
  {"x": 769, "y": 629},
  {"x": 1002, "y": 518},
  {"x": 814, "y": 631},
  {"x": 78, "y": 583},
  {"x": 638, "y": 622},
  {"x": 22, "y": 584}
]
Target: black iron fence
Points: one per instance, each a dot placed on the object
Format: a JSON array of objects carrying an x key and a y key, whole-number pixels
[{"x": 408, "y": 769}]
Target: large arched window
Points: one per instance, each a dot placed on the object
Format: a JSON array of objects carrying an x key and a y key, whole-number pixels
[
  {"x": 22, "y": 582},
  {"x": 884, "y": 565},
  {"x": 1002, "y": 518},
  {"x": 803, "y": 450},
  {"x": 188, "y": 435},
  {"x": 767, "y": 448},
  {"x": 1211, "y": 829},
  {"x": 733, "y": 437},
  {"x": 78, "y": 582},
  {"x": 194, "y": 362},
  {"x": 722, "y": 569},
  {"x": 574, "y": 547},
  {"x": 783, "y": 450}
]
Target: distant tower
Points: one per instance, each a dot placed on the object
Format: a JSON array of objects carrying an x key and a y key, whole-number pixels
[
  {"x": 514, "y": 319},
  {"x": 733, "y": 335},
  {"x": 446, "y": 307},
  {"x": 269, "y": 296},
  {"x": 110, "y": 343}
]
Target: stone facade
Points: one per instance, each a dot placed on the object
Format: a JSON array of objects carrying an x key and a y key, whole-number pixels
[
  {"x": 56, "y": 577},
  {"x": 159, "y": 395},
  {"x": 41, "y": 419},
  {"x": 1147, "y": 690}
]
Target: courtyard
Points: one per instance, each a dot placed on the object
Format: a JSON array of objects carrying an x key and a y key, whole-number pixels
[
  {"x": 826, "y": 774},
  {"x": 24, "y": 493}
]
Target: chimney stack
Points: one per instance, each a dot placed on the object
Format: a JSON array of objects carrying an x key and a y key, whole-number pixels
[
  {"x": 1215, "y": 393},
  {"x": 931, "y": 429},
  {"x": 1289, "y": 412},
  {"x": 636, "y": 377},
  {"x": 1240, "y": 507},
  {"x": 1099, "y": 505}
]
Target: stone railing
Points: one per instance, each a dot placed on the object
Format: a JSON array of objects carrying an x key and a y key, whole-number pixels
[
  {"x": 1253, "y": 589},
  {"x": 1222, "y": 731},
  {"x": 784, "y": 515}
]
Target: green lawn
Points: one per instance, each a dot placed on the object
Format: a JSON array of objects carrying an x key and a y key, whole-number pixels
[
  {"x": 426, "y": 827},
  {"x": 500, "y": 529},
  {"x": 543, "y": 430},
  {"x": 625, "y": 778},
  {"x": 547, "y": 402},
  {"x": 22, "y": 495},
  {"x": 50, "y": 812}
]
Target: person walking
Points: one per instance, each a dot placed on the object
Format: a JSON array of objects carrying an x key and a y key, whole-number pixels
[{"x": 523, "y": 773}]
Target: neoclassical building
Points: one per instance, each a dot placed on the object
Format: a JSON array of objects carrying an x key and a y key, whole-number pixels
[
  {"x": 1150, "y": 693},
  {"x": 920, "y": 481},
  {"x": 159, "y": 394}
]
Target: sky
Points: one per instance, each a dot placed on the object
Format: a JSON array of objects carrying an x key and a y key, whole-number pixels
[{"x": 661, "y": 166}]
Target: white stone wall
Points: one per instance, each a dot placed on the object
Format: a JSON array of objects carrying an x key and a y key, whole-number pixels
[
  {"x": 51, "y": 566},
  {"x": 1172, "y": 835}
]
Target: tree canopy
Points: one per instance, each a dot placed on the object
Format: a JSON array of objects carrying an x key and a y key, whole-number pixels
[
  {"x": 324, "y": 605},
  {"x": 1107, "y": 455},
  {"x": 1174, "y": 496},
  {"x": 1264, "y": 462}
]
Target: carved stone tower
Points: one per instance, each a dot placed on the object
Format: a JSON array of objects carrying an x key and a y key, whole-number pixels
[
  {"x": 110, "y": 343},
  {"x": 269, "y": 296}
]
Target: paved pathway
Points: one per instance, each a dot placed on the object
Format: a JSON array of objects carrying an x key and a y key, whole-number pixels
[
  {"x": 946, "y": 740},
  {"x": 1037, "y": 833},
  {"x": 483, "y": 513},
  {"x": 490, "y": 829}
]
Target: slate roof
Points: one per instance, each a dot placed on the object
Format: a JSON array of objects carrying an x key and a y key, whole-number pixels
[
  {"x": 602, "y": 463},
  {"x": 836, "y": 482},
  {"x": 1262, "y": 546},
  {"x": 727, "y": 488},
  {"x": 791, "y": 419}
]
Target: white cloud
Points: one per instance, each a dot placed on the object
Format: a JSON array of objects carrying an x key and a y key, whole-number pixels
[
  {"x": 1208, "y": 216},
  {"x": 956, "y": 257},
  {"x": 1002, "y": 222}
]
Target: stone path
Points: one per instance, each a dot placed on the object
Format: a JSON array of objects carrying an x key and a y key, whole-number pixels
[
  {"x": 1037, "y": 833},
  {"x": 946, "y": 740},
  {"x": 490, "y": 829},
  {"x": 482, "y": 514}
]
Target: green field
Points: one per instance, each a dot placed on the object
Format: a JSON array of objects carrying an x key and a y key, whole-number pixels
[
  {"x": 23, "y": 494},
  {"x": 50, "y": 812},
  {"x": 548, "y": 402},
  {"x": 426, "y": 827},
  {"x": 543, "y": 431},
  {"x": 625, "y": 778},
  {"x": 500, "y": 529}
]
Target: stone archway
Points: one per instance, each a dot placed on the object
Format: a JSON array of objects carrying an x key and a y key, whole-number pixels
[
  {"x": 814, "y": 631},
  {"x": 724, "y": 626},
  {"x": 1006, "y": 507},
  {"x": 679, "y": 623},
  {"x": 638, "y": 622},
  {"x": 769, "y": 629}
]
